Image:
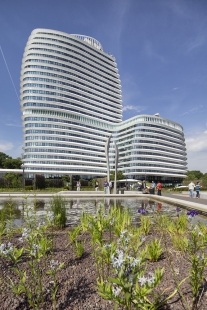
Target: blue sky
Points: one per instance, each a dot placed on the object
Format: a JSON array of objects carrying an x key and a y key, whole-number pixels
[{"x": 160, "y": 47}]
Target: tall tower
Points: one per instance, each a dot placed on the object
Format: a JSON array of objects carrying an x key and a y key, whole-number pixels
[
  {"x": 71, "y": 103},
  {"x": 70, "y": 99}
]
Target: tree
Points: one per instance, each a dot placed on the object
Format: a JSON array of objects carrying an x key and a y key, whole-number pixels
[
  {"x": 12, "y": 163},
  {"x": 66, "y": 179},
  {"x": 13, "y": 179},
  {"x": 7, "y": 162},
  {"x": 119, "y": 176},
  {"x": 197, "y": 173},
  {"x": 3, "y": 158},
  {"x": 204, "y": 177}
]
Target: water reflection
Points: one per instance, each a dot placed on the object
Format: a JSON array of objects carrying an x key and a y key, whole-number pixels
[
  {"x": 75, "y": 208},
  {"x": 159, "y": 206}
]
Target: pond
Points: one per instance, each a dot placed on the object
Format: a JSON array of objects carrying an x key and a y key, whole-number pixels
[{"x": 75, "y": 208}]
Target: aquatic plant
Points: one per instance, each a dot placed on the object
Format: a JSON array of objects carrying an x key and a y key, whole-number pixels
[
  {"x": 192, "y": 213},
  {"x": 58, "y": 207}
]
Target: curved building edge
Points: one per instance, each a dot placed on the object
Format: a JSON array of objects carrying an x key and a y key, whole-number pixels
[{"x": 71, "y": 103}]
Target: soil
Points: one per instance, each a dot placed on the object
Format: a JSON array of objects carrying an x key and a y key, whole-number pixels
[{"x": 77, "y": 280}]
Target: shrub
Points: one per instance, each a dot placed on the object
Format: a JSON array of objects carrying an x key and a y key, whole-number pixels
[
  {"x": 57, "y": 183},
  {"x": 28, "y": 187}
]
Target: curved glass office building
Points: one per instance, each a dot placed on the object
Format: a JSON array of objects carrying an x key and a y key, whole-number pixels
[
  {"x": 153, "y": 147},
  {"x": 71, "y": 103}
]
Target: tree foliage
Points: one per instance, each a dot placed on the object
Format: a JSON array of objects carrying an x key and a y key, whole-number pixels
[
  {"x": 196, "y": 175},
  {"x": 119, "y": 176},
  {"x": 14, "y": 180},
  {"x": 66, "y": 178},
  {"x": 3, "y": 158},
  {"x": 7, "y": 162}
]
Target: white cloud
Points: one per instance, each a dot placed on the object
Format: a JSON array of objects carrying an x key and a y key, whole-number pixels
[
  {"x": 132, "y": 107},
  {"x": 13, "y": 125},
  {"x": 197, "y": 143},
  {"x": 6, "y": 146},
  {"x": 192, "y": 110},
  {"x": 197, "y": 151}
]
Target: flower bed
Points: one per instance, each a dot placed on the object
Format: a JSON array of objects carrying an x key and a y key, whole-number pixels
[{"x": 103, "y": 262}]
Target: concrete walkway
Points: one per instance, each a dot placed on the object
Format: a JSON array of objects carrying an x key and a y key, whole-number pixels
[{"x": 183, "y": 200}]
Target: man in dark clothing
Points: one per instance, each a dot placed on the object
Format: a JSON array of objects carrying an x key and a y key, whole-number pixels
[{"x": 106, "y": 186}]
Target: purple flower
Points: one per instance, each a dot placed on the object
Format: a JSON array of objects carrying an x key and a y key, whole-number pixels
[
  {"x": 142, "y": 211},
  {"x": 192, "y": 213}
]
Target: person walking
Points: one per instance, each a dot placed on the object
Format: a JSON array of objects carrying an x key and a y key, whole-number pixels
[
  {"x": 78, "y": 186},
  {"x": 110, "y": 186},
  {"x": 96, "y": 186},
  {"x": 191, "y": 186},
  {"x": 197, "y": 188},
  {"x": 106, "y": 186},
  {"x": 159, "y": 188},
  {"x": 153, "y": 187}
]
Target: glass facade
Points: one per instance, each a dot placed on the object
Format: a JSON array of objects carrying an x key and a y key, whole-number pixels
[{"x": 71, "y": 103}]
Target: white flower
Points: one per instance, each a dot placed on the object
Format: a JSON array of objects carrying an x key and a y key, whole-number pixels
[
  {"x": 117, "y": 261},
  {"x": 143, "y": 280},
  {"x": 124, "y": 232},
  {"x": 35, "y": 249},
  {"x": 25, "y": 233},
  {"x": 2, "y": 247},
  {"x": 135, "y": 262},
  {"x": 54, "y": 264},
  {"x": 151, "y": 278},
  {"x": 116, "y": 291},
  {"x": 6, "y": 249}
]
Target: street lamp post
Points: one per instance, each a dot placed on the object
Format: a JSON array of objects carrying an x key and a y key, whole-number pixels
[
  {"x": 116, "y": 165},
  {"x": 22, "y": 166},
  {"x": 107, "y": 157}
]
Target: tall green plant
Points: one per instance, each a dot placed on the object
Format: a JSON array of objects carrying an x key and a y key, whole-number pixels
[
  {"x": 198, "y": 260},
  {"x": 154, "y": 250},
  {"x": 58, "y": 207},
  {"x": 146, "y": 223}
]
